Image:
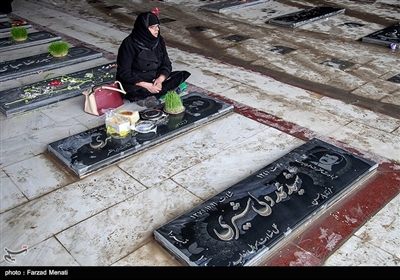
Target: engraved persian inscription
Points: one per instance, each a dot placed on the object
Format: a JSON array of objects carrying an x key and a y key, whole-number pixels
[{"x": 237, "y": 226}]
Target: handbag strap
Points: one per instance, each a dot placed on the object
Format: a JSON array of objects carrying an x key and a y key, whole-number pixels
[{"x": 116, "y": 89}]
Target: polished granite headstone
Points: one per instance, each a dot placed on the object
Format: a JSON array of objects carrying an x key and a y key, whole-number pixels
[
  {"x": 338, "y": 63},
  {"x": 306, "y": 16},
  {"x": 81, "y": 152},
  {"x": 368, "y": 1},
  {"x": 6, "y": 26},
  {"x": 386, "y": 36},
  {"x": 35, "y": 38},
  {"x": 394, "y": 79},
  {"x": 230, "y": 4},
  {"x": 281, "y": 49},
  {"x": 238, "y": 226},
  {"x": 33, "y": 96},
  {"x": 45, "y": 61}
]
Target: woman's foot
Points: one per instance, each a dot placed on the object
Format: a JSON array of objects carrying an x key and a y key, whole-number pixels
[{"x": 149, "y": 102}]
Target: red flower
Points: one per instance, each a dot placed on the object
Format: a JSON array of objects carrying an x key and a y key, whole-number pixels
[
  {"x": 55, "y": 83},
  {"x": 155, "y": 11},
  {"x": 15, "y": 22}
]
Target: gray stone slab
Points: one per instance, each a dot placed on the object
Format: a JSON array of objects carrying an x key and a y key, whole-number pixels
[
  {"x": 33, "y": 96},
  {"x": 220, "y": 7},
  {"x": 306, "y": 16},
  {"x": 30, "y": 65},
  {"x": 240, "y": 225},
  {"x": 6, "y": 26},
  {"x": 81, "y": 153},
  {"x": 34, "y": 38},
  {"x": 386, "y": 36}
]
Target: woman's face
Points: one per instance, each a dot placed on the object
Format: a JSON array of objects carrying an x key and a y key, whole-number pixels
[{"x": 154, "y": 29}]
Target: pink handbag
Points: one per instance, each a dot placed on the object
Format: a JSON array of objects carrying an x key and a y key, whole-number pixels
[{"x": 99, "y": 99}]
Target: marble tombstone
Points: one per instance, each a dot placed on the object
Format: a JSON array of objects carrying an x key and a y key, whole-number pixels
[{"x": 242, "y": 223}]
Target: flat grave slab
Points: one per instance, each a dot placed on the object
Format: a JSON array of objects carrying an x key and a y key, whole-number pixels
[
  {"x": 32, "y": 64},
  {"x": 238, "y": 226},
  {"x": 281, "y": 49},
  {"x": 80, "y": 152},
  {"x": 222, "y": 6},
  {"x": 386, "y": 36},
  {"x": 6, "y": 26},
  {"x": 338, "y": 63},
  {"x": 305, "y": 16},
  {"x": 35, "y": 38},
  {"x": 394, "y": 79},
  {"x": 33, "y": 96}
]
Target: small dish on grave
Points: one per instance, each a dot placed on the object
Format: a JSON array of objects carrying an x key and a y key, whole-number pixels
[
  {"x": 94, "y": 149},
  {"x": 240, "y": 225},
  {"x": 306, "y": 16}
]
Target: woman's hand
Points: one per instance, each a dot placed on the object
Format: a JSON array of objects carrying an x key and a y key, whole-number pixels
[
  {"x": 158, "y": 82},
  {"x": 150, "y": 87},
  {"x": 154, "y": 87}
]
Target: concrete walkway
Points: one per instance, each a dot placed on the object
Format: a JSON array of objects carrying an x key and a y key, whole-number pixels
[{"x": 281, "y": 101}]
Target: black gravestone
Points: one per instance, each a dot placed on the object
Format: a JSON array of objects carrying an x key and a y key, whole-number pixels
[
  {"x": 240, "y": 224},
  {"x": 230, "y": 4},
  {"x": 394, "y": 79},
  {"x": 338, "y": 63},
  {"x": 33, "y": 96},
  {"x": 6, "y": 26},
  {"x": 306, "y": 16},
  {"x": 32, "y": 64},
  {"x": 385, "y": 36},
  {"x": 281, "y": 49},
  {"x": 35, "y": 38},
  {"x": 81, "y": 154}
]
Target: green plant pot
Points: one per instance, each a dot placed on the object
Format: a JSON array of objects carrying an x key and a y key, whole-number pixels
[
  {"x": 58, "y": 48},
  {"x": 173, "y": 103},
  {"x": 19, "y": 33}
]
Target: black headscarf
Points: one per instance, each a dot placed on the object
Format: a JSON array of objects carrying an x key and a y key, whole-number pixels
[{"x": 141, "y": 35}]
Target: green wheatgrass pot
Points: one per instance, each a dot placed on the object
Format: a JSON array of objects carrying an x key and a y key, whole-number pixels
[
  {"x": 58, "y": 48},
  {"x": 19, "y": 33},
  {"x": 173, "y": 103}
]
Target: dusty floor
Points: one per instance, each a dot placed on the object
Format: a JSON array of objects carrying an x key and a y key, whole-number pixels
[{"x": 184, "y": 28}]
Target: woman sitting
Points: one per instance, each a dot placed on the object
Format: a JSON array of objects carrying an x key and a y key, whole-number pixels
[{"x": 143, "y": 65}]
